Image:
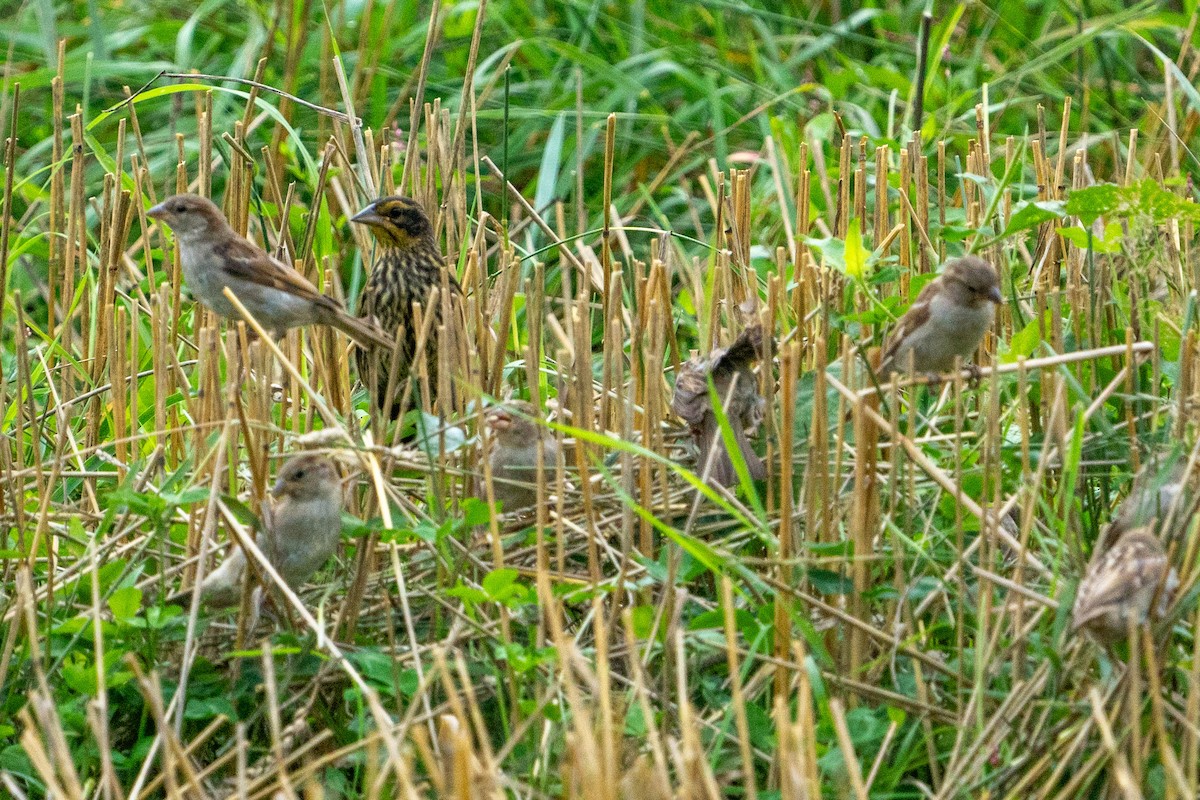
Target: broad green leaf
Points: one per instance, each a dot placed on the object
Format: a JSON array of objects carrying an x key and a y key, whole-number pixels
[
  {"x": 125, "y": 602},
  {"x": 1032, "y": 214}
]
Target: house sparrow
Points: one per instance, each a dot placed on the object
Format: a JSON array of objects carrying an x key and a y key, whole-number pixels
[
  {"x": 1130, "y": 562},
  {"x": 299, "y": 533},
  {"x": 1121, "y": 584},
  {"x": 409, "y": 267},
  {"x": 513, "y": 458},
  {"x": 947, "y": 321},
  {"x": 744, "y": 408},
  {"x": 213, "y": 256}
]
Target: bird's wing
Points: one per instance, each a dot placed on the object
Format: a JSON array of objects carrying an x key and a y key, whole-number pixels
[
  {"x": 245, "y": 261},
  {"x": 916, "y": 316}
]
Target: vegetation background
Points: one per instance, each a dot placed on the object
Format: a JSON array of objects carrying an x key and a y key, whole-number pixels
[{"x": 616, "y": 184}]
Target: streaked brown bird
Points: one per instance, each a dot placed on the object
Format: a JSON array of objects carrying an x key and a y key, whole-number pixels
[
  {"x": 1120, "y": 586},
  {"x": 300, "y": 531},
  {"x": 513, "y": 459},
  {"x": 408, "y": 268},
  {"x": 215, "y": 256},
  {"x": 947, "y": 321},
  {"x": 744, "y": 408},
  {"x": 1130, "y": 566}
]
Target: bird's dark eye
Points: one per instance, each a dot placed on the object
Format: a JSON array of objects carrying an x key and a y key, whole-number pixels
[
  {"x": 179, "y": 208},
  {"x": 298, "y": 475},
  {"x": 396, "y": 212}
]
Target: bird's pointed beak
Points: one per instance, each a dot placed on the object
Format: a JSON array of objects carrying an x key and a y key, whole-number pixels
[
  {"x": 158, "y": 212},
  {"x": 368, "y": 216},
  {"x": 499, "y": 421},
  {"x": 278, "y": 488},
  {"x": 995, "y": 296}
]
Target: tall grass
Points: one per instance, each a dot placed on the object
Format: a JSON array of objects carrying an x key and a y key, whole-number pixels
[{"x": 885, "y": 616}]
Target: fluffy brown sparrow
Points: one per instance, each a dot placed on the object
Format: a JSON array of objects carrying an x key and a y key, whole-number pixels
[
  {"x": 513, "y": 460},
  {"x": 408, "y": 267},
  {"x": 1122, "y": 583},
  {"x": 299, "y": 533},
  {"x": 947, "y": 321},
  {"x": 744, "y": 408},
  {"x": 213, "y": 256},
  {"x": 1130, "y": 567}
]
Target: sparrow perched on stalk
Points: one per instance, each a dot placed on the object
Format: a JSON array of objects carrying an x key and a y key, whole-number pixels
[
  {"x": 947, "y": 321},
  {"x": 408, "y": 268},
  {"x": 299, "y": 532},
  {"x": 744, "y": 407},
  {"x": 513, "y": 459},
  {"x": 214, "y": 256},
  {"x": 1130, "y": 567}
]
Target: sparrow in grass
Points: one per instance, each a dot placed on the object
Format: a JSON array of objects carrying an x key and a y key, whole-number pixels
[
  {"x": 947, "y": 321},
  {"x": 299, "y": 532},
  {"x": 1122, "y": 583},
  {"x": 513, "y": 459},
  {"x": 1130, "y": 567},
  {"x": 408, "y": 268},
  {"x": 737, "y": 388},
  {"x": 215, "y": 256}
]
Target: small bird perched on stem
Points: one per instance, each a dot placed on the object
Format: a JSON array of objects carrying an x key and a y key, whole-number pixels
[
  {"x": 408, "y": 269},
  {"x": 214, "y": 256},
  {"x": 947, "y": 321},
  {"x": 513, "y": 459},
  {"x": 737, "y": 388},
  {"x": 299, "y": 532}
]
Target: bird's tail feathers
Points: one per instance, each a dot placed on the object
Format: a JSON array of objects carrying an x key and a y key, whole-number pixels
[{"x": 361, "y": 330}]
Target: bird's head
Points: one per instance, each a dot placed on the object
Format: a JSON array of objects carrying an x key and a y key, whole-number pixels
[
  {"x": 189, "y": 215},
  {"x": 396, "y": 221},
  {"x": 976, "y": 277},
  {"x": 513, "y": 423},
  {"x": 306, "y": 476}
]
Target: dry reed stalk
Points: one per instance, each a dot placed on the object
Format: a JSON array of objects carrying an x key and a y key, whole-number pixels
[{"x": 864, "y": 522}]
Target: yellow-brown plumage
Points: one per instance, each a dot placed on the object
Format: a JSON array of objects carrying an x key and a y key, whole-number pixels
[{"x": 408, "y": 268}]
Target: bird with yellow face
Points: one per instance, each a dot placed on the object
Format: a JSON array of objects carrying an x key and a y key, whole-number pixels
[{"x": 408, "y": 268}]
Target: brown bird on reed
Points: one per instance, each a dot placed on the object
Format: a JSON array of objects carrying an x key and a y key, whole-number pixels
[
  {"x": 737, "y": 388},
  {"x": 947, "y": 321},
  {"x": 513, "y": 459},
  {"x": 409, "y": 269},
  {"x": 215, "y": 256}
]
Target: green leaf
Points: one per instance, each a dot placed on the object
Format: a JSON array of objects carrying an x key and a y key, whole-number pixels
[
  {"x": 643, "y": 621},
  {"x": 468, "y": 594},
  {"x": 833, "y": 251},
  {"x": 1084, "y": 240},
  {"x": 125, "y": 602},
  {"x": 1032, "y": 214},
  {"x": 1094, "y": 202},
  {"x": 855, "y": 254},
  {"x": 1025, "y": 341},
  {"x": 79, "y": 675},
  {"x": 475, "y": 512},
  {"x": 498, "y": 582}
]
